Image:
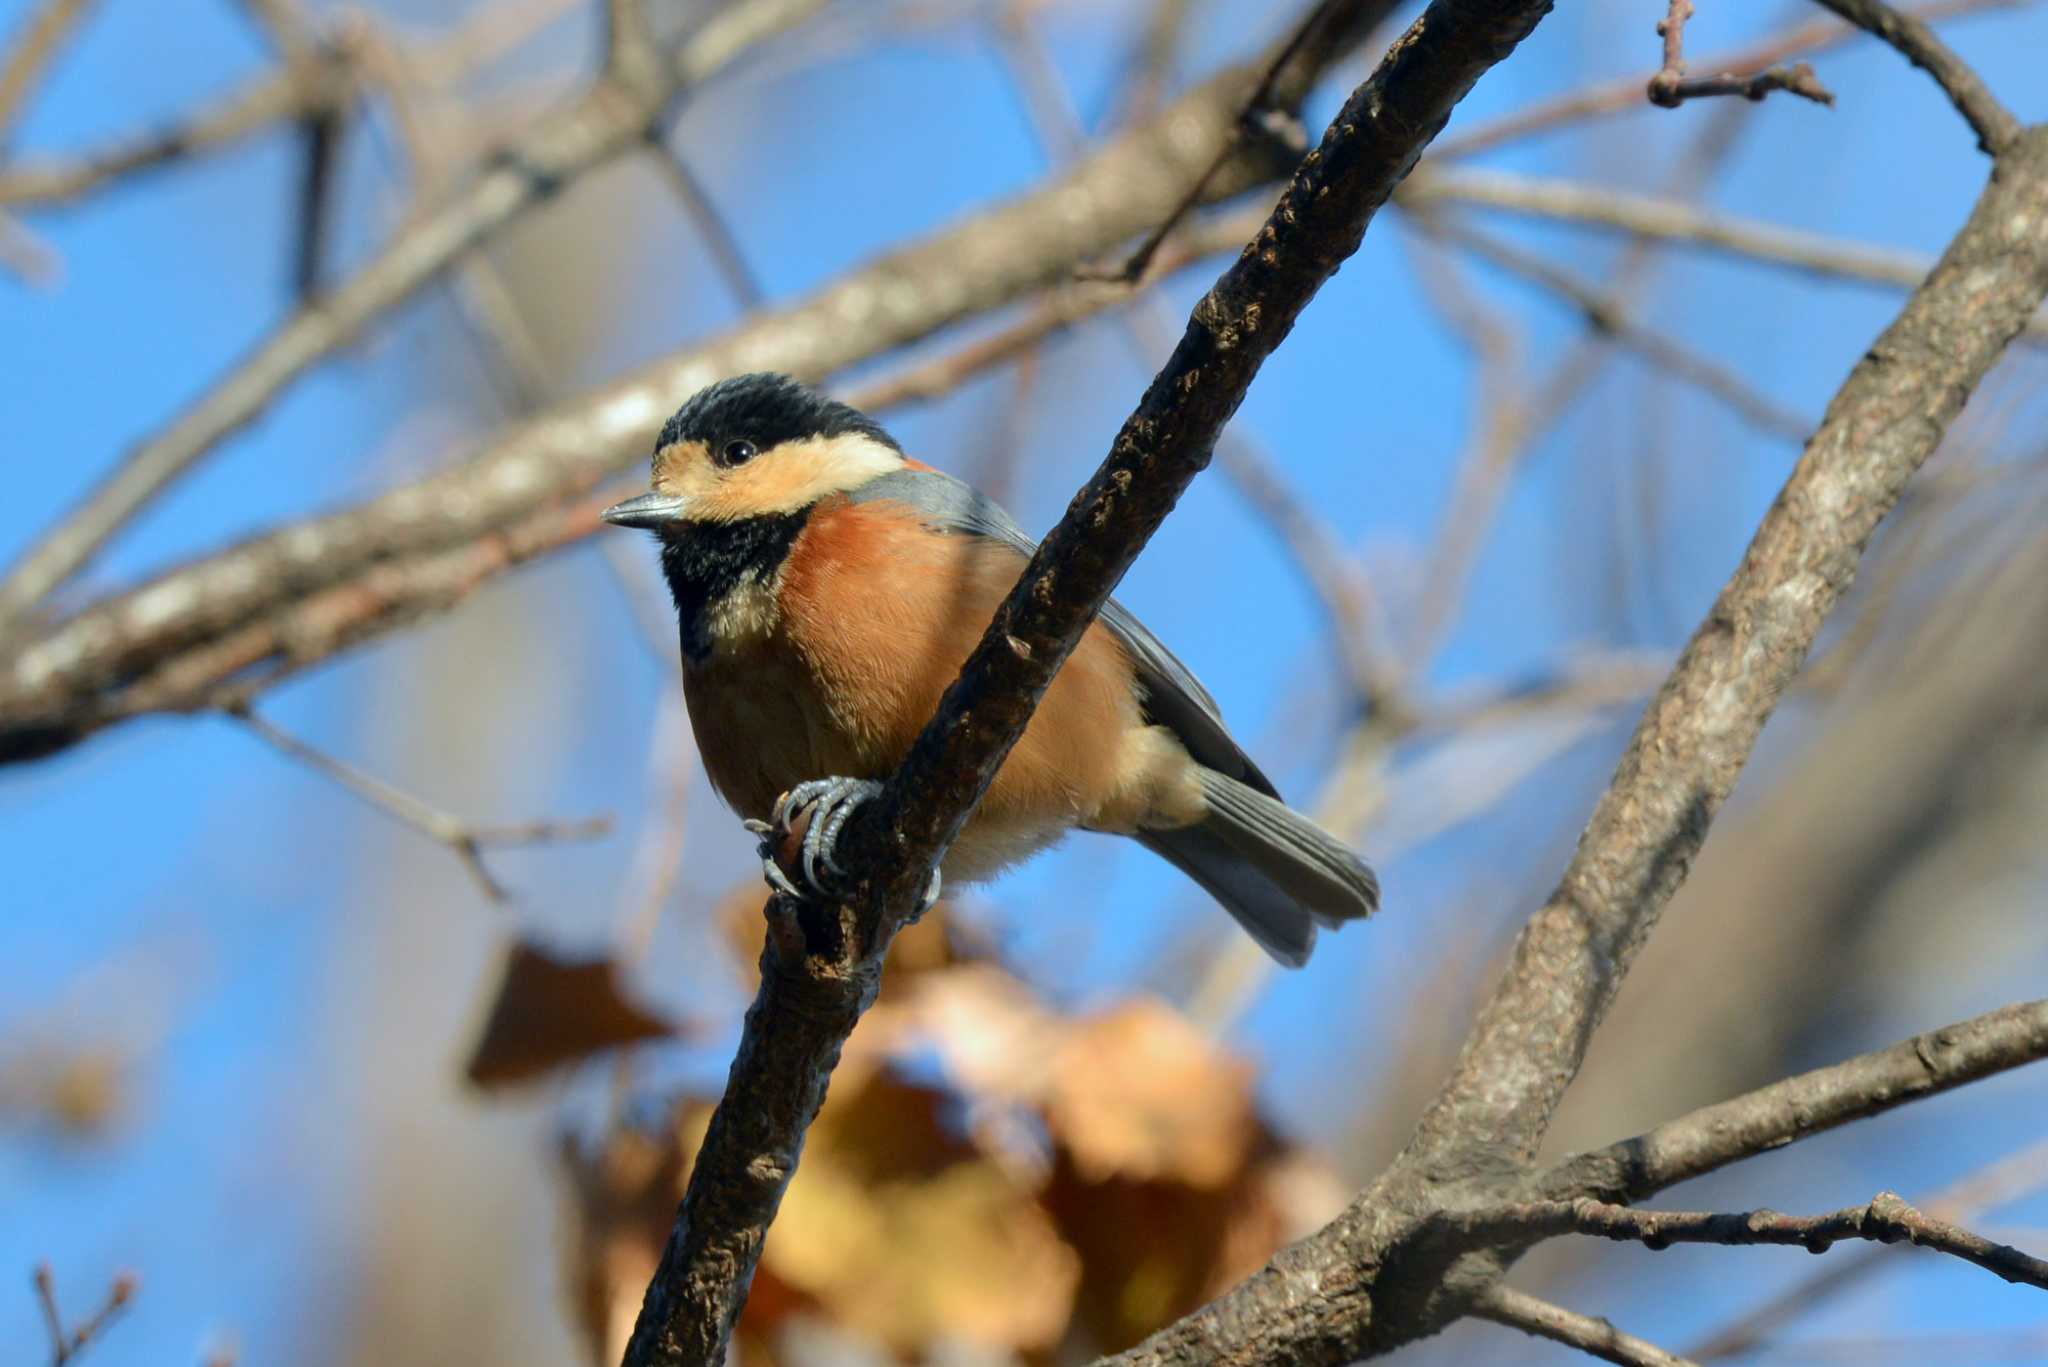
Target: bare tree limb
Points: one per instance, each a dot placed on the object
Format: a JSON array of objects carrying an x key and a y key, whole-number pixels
[
  {"x": 1324, "y": 29},
  {"x": 1993, "y": 123},
  {"x": 1670, "y": 220},
  {"x": 295, "y": 596},
  {"x": 1385, "y": 1272},
  {"x": 1331, "y": 572},
  {"x": 1798, "y": 79},
  {"x": 1592, "y": 1336},
  {"x": 1625, "y": 94},
  {"x": 281, "y": 96},
  {"x": 27, "y": 256},
  {"x": 1994, "y": 1184},
  {"x": 465, "y": 841},
  {"x": 1882, "y": 425},
  {"x": 66, "y": 1344},
  {"x": 1663, "y": 87},
  {"x": 1796, "y": 1107},
  {"x": 1668, "y": 354},
  {"x": 612, "y": 117},
  {"x": 34, "y": 48},
  {"x": 820, "y": 967},
  {"x": 1887, "y": 1219}
]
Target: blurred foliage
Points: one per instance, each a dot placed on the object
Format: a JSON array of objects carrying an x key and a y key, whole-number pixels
[{"x": 989, "y": 1171}]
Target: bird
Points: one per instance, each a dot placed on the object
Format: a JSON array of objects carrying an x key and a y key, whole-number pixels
[{"x": 828, "y": 588}]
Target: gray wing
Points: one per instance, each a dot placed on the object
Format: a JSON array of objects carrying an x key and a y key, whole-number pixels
[{"x": 1174, "y": 697}]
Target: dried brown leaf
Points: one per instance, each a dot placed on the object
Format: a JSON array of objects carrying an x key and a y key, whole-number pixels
[{"x": 549, "y": 1012}]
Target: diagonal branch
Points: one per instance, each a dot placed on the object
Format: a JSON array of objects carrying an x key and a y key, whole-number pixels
[
  {"x": 1604, "y": 316},
  {"x": 1672, "y": 220},
  {"x": 1808, "y": 1104},
  {"x": 1385, "y": 1273},
  {"x": 291, "y": 93},
  {"x": 34, "y": 47},
  {"x": 821, "y": 966},
  {"x": 1887, "y": 1219},
  {"x": 1692, "y": 743},
  {"x": 297, "y": 595},
  {"x": 1625, "y": 94},
  {"x": 1994, "y": 124},
  {"x": 612, "y": 117},
  {"x": 1590, "y": 1335},
  {"x": 1992, "y": 1185},
  {"x": 465, "y": 841}
]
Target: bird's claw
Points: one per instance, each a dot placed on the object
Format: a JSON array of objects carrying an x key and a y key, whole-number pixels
[
  {"x": 831, "y": 803},
  {"x": 828, "y": 803}
]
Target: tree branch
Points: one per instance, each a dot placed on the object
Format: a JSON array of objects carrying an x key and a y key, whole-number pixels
[
  {"x": 1882, "y": 425},
  {"x": 611, "y": 117},
  {"x": 820, "y": 967},
  {"x": 1992, "y": 1185},
  {"x": 297, "y": 595},
  {"x": 1994, "y": 124},
  {"x": 66, "y": 1344},
  {"x": 1625, "y": 94},
  {"x": 36, "y": 45},
  {"x": 1386, "y": 1272},
  {"x": 465, "y": 841},
  {"x": 1590, "y": 1335},
  {"x": 285, "y": 95},
  {"x": 1602, "y": 314},
  {"x": 1887, "y": 1219},
  {"x": 1671, "y": 220},
  {"x": 1810, "y": 1103}
]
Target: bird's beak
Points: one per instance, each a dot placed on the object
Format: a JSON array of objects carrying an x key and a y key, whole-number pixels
[{"x": 652, "y": 511}]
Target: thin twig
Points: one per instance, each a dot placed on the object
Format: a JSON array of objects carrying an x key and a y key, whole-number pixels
[
  {"x": 1063, "y": 308},
  {"x": 1809, "y": 1103},
  {"x": 821, "y": 965},
  {"x": 1331, "y": 572},
  {"x": 66, "y": 1344},
  {"x": 1150, "y": 66},
  {"x": 1994, "y": 124},
  {"x": 491, "y": 33},
  {"x": 718, "y": 237},
  {"x": 466, "y": 841},
  {"x": 2004, "y": 1180},
  {"x": 1887, "y": 1219},
  {"x": 1671, "y": 28},
  {"x": 285, "y": 24},
  {"x": 26, "y": 255},
  {"x": 1671, "y": 220},
  {"x": 1257, "y": 116},
  {"x": 277, "y": 97},
  {"x": 1625, "y": 94},
  {"x": 34, "y": 47},
  {"x": 287, "y": 600},
  {"x": 1798, "y": 79},
  {"x": 1354, "y": 1289},
  {"x": 1587, "y": 1333},
  {"x": 1600, "y": 311},
  {"x": 610, "y": 118}
]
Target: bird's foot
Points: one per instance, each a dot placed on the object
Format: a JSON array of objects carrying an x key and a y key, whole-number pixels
[{"x": 825, "y": 805}]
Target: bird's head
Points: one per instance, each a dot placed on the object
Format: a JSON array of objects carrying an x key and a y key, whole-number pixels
[{"x": 760, "y": 445}]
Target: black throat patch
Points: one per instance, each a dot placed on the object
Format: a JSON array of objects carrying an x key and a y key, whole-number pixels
[{"x": 711, "y": 559}]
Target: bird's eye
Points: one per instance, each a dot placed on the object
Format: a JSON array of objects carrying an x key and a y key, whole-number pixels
[{"x": 737, "y": 453}]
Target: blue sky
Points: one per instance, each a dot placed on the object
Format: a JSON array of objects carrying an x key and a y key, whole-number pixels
[{"x": 291, "y": 973}]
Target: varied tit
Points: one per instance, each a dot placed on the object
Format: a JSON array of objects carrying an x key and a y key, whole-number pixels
[{"x": 829, "y": 589}]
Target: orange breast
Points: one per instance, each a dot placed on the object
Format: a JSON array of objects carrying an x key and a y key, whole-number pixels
[{"x": 878, "y": 615}]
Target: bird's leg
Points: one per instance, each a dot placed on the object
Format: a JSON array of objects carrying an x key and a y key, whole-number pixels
[{"x": 830, "y": 803}]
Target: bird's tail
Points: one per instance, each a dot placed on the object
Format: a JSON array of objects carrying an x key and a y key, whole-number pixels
[{"x": 1277, "y": 872}]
